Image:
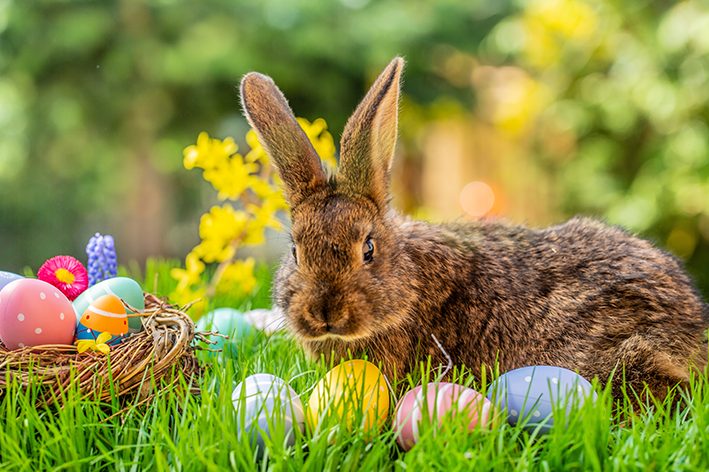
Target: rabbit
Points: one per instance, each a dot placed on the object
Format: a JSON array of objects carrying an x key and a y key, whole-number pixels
[{"x": 581, "y": 295}]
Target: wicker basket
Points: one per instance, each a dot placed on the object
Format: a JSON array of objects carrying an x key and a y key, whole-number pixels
[{"x": 135, "y": 369}]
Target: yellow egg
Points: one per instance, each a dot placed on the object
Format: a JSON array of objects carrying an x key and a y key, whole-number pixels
[{"x": 354, "y": 391}]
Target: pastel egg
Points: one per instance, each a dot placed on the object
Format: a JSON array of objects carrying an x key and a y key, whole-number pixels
[
  {"x": 530, "y": 394},
  {"x": 7, "y": 277},
  {"x": 438, "y": 399},
  {"x": 122, "y": 287},
  {"x": 229, "y": 322},
  {"x": 33, "y": 313},
  {"x": 105, "y": 315},
  {"x": 266, "y": 406},
  {"x": 354, "y": 391}
]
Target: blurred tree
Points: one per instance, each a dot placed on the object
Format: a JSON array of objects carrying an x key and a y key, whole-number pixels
[{"x": 564, "y": 106}]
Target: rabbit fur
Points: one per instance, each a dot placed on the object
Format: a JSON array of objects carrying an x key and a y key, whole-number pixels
[{"x": 581, "y": 295}]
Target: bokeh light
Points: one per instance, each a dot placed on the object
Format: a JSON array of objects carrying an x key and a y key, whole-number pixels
[{"x": 477, "y": 198}]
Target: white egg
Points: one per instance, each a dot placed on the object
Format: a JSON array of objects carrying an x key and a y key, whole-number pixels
[{"x": 264, "y": 402}]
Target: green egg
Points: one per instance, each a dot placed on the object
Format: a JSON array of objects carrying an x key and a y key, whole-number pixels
[
  {"x": 227, "y": 321},
  {"x": 122, "y": 287}
]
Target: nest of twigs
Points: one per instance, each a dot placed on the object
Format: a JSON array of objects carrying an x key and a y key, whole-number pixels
[{"x": 136, "y": 369}]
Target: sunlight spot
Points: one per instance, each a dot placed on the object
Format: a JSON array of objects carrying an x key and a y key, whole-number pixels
[{"x": 477, "y": 198}]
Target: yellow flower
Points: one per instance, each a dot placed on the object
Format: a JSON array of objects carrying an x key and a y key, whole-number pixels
[
  {"x": 238, "y": 278},
  {"x": 218, "y": 229},
  {"x": 265, "y": 215},
  {"x": 231, "y": 178},
  {"x": 191, "y": 276},
  {"x": 209, "y": 153},
  {"x": 99, "y": 344}
]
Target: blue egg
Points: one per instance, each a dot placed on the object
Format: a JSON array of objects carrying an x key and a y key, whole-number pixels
[
  {"x": 227, "y": 321},
  {"x": 82, "y": 332},
  {"x": 530, "y": 394},
  {"x": 7, "y": 277}
]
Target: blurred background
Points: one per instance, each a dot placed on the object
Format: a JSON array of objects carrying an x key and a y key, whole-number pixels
[{"x": 532, "y": 109}]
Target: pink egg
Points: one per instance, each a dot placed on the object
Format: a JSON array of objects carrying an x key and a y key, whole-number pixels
[
  {"x": 440, "y": 398},
  {"x": 33, "y": 312}
]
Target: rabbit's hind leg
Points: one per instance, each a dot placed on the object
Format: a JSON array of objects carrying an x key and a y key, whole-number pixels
[{"x": 639, "y": 365}]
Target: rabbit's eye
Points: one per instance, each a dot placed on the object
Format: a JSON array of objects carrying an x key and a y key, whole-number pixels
[
  {"x": 368, "y": 250},
  {"x": 295, "y": 253}
]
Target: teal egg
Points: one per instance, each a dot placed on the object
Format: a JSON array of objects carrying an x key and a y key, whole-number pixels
[
  {"x": 122, "y": 287},
  {"x": 228, "y": 321}
]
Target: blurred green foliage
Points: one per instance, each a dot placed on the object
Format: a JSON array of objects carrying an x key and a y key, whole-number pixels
[{"x": 608, "y": 98}]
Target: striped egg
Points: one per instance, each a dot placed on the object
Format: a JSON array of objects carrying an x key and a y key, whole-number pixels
[
  {"x": 266, "y": 406},
  {"x": 105, "y": 314},
  {"x": 438, "y": 399}
]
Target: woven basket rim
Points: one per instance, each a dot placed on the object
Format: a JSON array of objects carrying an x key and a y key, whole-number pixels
[{"x": 131, "y": 369}]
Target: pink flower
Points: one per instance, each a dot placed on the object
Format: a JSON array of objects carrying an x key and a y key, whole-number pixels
[{"x": 65, "y": 273}]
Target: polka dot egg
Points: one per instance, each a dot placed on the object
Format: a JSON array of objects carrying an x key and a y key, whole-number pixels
[
  {"x": 438, "y": 399},
  {"x": 33, "y": 313},
  {"x": 530, "y": 394}
]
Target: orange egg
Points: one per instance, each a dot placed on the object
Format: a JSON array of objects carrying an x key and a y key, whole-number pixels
[{"x": 105, "y": 314}]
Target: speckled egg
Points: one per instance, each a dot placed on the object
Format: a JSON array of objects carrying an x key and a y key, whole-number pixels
[
  {"x": 531, "y": 393},
  {"x": 227, "y": 321},
  {"x": 7, "y": 277},
  {"x": 122, "y": 287},
  {"x": 33, "y": 313},
  {"x": 438, "y": 399},
  {"x": 264, "y": 404},
  {"x": 105, "y": 315},
  {"x": 354, "y": 391}
]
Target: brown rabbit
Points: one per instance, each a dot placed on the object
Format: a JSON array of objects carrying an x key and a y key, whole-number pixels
[{"x": 580, "y": 295}]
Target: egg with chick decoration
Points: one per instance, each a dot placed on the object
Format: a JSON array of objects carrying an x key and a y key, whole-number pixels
[
  {"x": 105, "y": 315},
  {"x": 121, "y": 287},
  {"x": 438, "y": 400},
  {"x": 530, "y": 394}
]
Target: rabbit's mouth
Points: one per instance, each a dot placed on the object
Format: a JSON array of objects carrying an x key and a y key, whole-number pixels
[{"x": 318, "y": 327}]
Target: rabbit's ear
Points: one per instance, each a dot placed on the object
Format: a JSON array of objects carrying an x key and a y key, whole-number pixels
[
  {"x": 285, "y": 142},
  {"x": 368, "y": 141}
]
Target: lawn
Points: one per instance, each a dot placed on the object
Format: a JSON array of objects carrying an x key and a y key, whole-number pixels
[{"x": 177, "y": 432}]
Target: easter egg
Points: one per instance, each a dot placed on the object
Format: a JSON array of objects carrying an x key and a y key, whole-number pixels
[
  {"x": 531, "y": 393},
  {"x": 33, "y": 313},
  {"x": 265, "y": 404},
  {"x": 105, "y": 314},
  {"x": 354, "y": 391},
  {"x": 7, "y": 277},
  {"x": 438, "y": 399},
  {"x": 229, "y": 322},
  {"x": 122, "y": 287}
]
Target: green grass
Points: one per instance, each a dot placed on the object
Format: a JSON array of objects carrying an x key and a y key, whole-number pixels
[{"x": 181, "y": 433}]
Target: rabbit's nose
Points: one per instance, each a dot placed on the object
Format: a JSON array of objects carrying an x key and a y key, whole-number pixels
[{"x": 325, "y": 317}]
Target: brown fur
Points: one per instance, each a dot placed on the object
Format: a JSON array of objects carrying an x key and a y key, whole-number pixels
[{"x": 580, "y": 295}]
